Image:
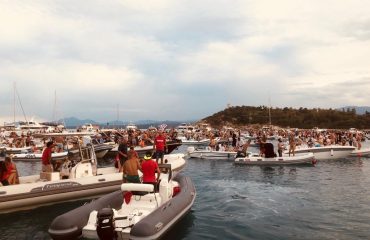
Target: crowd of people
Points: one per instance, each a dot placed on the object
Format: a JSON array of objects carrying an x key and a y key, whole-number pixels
[
  {"x": 238, "y": 140},
  {"x": 129, "y": 163}
]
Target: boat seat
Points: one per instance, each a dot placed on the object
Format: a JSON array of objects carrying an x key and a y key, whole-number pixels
[
  {"x": 142, "y": 204},
  {"x": 137, "y": 187}
]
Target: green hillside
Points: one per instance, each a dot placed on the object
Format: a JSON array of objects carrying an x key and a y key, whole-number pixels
[{"x": 289, "y": 117}]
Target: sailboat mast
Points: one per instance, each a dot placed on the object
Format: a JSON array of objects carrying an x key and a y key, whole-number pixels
[
  {"x": 20, "y": 103},
  {"x": 14, "y": 104},
  {"x": 117, "y": 113},
  {"x": 269, "y": 111},
  {"x": 55, "y": 106}
]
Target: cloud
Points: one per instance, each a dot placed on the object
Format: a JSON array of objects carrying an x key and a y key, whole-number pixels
[{"x": 182, "y": 59}]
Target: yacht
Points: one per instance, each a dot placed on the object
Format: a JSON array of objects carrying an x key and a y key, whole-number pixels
[
  {"x": 131, "y": 127},
  {"x": 184, "y": 128}
]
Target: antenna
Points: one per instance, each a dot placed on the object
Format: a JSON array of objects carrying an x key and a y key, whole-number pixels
[
  {"x": 14, "y": 104},
  {"x": 269, "y": 110}
]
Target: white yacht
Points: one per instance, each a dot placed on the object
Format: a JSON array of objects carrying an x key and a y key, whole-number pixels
[
  {"x": 185, "y": 128},
  {"x": 131, "y": 126}
]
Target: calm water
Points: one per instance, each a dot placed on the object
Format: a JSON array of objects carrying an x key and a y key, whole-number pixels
[{"x": 329, "y": 201}]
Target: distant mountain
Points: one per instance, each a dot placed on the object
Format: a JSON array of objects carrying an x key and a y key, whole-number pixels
[
  {"x": 359, "y": 109},
  {"x": 75, "y": 122}
]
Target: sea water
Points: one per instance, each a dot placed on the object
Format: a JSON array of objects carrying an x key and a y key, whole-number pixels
[{"x": 328, "y": 201}]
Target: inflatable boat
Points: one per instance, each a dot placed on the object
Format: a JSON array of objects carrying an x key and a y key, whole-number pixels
[
  {"x": 326, "y": 152},
  {"x": 298, "y": 159},
  {"x": 135, "y": 212},
  {"x": 37, "y": 156},
  {"x": 77, "y": 179},
  {"x": 207, "y": 153}
]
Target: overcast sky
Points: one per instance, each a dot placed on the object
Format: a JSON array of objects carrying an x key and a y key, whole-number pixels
[{"x": 181, "y": 59}]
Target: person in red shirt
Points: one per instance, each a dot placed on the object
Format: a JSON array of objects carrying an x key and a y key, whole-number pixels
[
  {"x": 11, "y": 173},
  {"x": 46, "y": 158},
  {"x": 149, "y": 167},
  {"x": 159, "y": 145}
]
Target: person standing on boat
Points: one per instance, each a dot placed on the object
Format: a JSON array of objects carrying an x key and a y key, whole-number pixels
[
  {"x": 122, "y": 153},
  {"x": 292, "y": 145},
  {"x": 131, "y": 167},
  {"x": 46, "y": 157},
  {"x": 159, "y": 145},
  {"x": 281, "y": 147},
  {"x": 358, "y": 140},
  {"x": 213, "y": 143},
  {"x": 233, "y": 144},
  {"x": 239, "y": 147},
  {"x": 149, "y": 167}
]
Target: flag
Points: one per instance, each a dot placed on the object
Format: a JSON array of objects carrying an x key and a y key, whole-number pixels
[{"x": 162, "y": 126}]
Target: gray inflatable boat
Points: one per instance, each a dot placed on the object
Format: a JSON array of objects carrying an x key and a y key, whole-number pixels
[{"x": 110, "y": 217}]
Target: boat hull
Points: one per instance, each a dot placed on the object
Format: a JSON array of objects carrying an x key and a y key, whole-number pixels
[
  {"x": 17, "y": 150},
  {"x": 38, "y": 156},
  {"x": 101, "y": 153},
  {"x": 31, "y": 195},
  {"x": 361, "y": 153},
  {"x": 68, "y": 226},
  {"x": 327, "y": 152},
  {"x": 212, "y": 154},
  {"x": 304, "y": 159},
  {"x": 171, "y": 146},
  {"x": 102, "y": 149},
  {"x": 195, "y": 143}
]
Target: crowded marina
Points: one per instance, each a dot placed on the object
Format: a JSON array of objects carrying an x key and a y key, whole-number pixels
[{"x": 75, "y": 172}]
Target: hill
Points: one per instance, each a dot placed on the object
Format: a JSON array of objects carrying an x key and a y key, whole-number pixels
[{"x": 289, "y": 117}]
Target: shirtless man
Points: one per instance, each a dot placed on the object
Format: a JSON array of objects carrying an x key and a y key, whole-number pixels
[
  {"x": 131, "y": 167},
  {"x": 358, "y": 140},
  {"x": 292, "y": 145}
]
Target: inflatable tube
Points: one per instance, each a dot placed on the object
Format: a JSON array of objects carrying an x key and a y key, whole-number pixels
[
  {"x": 159, "y": 221},
  {"x": 69, "y": 225}
]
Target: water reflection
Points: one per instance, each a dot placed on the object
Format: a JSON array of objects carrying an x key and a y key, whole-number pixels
[{"x": 182, "y": 228}]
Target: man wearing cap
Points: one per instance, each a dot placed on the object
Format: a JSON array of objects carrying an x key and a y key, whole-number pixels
[
  {"x": 149, "y": 167},
  {"x": 159, "y": 145},
  {"x": 46, "y": 157}
]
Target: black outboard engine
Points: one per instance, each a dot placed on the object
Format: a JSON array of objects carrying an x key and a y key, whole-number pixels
[{"x": 105, "y": 224}]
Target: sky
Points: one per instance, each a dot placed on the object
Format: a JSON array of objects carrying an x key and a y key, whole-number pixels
[{"x": 180, "y": 60}]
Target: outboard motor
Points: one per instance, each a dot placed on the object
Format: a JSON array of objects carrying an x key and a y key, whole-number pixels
[{"x": 105, "y": 224}]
